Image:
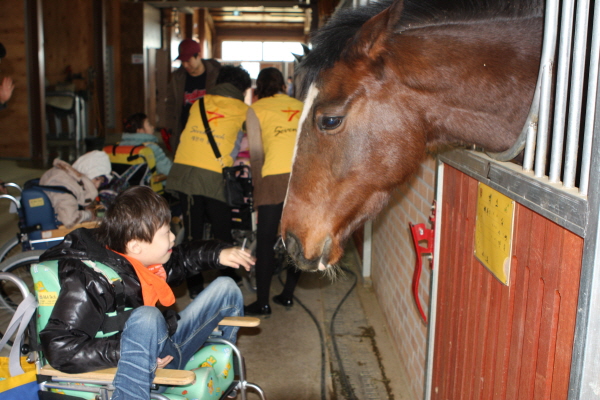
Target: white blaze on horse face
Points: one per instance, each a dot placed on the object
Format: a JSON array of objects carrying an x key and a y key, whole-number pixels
[
  {"x": 310, "y": 97},
  {"x": 308, "y": 103}
]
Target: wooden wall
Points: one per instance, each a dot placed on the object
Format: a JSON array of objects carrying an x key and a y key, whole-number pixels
[
  {"x": 14, "y": 121},
  {"x": 132, "y": 75},
  {"x": 503, "y": 342},
  {"x": 69, "y": 49},
  {"x": 68, "y": 41}
]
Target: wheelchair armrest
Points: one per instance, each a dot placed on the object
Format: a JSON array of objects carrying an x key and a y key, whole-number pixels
[
  {"x": 247, "y": 322},
  {"x": 62, "y": 230},
  {"x": 170, "y": 377}
]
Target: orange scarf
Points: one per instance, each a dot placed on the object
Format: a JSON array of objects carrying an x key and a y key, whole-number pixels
[{"x": 153, "y": 281}]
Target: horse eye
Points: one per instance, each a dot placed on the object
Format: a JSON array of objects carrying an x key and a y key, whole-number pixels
[{"x": 329, "y": 123}]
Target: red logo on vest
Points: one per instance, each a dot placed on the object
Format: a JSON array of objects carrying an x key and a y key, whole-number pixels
[
  {"x": 213, "y": 115},
  {"x": 293, "y": 113}
]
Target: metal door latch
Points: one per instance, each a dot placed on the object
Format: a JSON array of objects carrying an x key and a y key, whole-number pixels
[{"x": 421, "y": 234}]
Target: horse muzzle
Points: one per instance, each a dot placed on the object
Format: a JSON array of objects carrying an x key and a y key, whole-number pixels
[{"x": 296, "y": 252}]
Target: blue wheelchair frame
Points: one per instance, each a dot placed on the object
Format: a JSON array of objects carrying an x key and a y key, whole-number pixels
[{"x": 36, "y": 219}]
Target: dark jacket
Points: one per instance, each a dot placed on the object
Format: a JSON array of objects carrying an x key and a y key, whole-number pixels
[
  {"x": 174, "y": 99},
  {"x": 69, "y": 341}
]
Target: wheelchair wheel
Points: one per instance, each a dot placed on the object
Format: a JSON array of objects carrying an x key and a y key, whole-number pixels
[
  {"x": 10, "y": 295},
  {"x": 11, "y": 248}
]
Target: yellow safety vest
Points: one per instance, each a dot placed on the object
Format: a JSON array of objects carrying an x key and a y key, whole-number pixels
[
  {"x": 278, "y": 116},
  {"x": 226, "y": 117}
]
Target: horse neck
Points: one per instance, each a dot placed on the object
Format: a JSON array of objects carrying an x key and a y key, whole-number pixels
[{"x": 473, "y": 83}]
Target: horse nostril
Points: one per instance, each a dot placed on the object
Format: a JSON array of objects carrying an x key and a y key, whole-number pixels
[
  {"x": 296, "y": 252},
  {"x": 293, "y": 246}
]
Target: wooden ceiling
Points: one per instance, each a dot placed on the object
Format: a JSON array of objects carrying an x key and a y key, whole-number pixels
[{"x": 245, "y": 15}]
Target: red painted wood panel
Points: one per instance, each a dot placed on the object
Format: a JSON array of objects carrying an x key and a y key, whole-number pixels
[{"x": 503, "y": 342}]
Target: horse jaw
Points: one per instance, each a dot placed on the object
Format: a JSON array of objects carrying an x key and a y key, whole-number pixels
[{"x": 315, "y": 237}]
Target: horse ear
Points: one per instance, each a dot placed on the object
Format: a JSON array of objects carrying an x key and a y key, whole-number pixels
[
  {"x": 299, "y": 57},
  {"x": 376, "y": 30}
]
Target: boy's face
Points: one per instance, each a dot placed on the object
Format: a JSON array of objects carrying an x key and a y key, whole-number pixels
[{"x": 157, "y": 252}]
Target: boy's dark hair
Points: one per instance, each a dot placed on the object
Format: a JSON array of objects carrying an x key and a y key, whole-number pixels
[
  {"x": 237, "y": 76},
  {"x": 136, "y": 214},
  {"x": 134, "y": 122},
  {"x": 269, "y": 82}
]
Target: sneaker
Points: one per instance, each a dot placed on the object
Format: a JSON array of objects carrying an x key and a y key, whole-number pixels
[
  {"x": 279, "y": 299},
  {"x": 257, "y": 309}
]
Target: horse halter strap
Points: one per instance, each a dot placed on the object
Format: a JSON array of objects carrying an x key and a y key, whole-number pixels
[{"x": 208, "y": 132}]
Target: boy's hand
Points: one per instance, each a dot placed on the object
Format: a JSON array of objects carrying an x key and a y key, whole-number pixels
[
  {"x": 162, "y": 362},
  {"x": 235, "y": 257}
]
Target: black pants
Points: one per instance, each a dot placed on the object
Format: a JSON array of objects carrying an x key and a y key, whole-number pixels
[
  {"x": 266, "y": 236},
  {"x": 198, "y": 210}
]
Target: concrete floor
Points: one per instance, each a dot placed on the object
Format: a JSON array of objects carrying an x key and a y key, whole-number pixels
[{"x": 332, "y": 344}]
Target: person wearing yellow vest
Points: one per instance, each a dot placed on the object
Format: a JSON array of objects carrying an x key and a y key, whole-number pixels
[
  {"x": 196, "y": 173},
  {"x": 272, "y": 125}
]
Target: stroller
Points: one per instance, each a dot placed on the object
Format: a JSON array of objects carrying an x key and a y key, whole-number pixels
[{"x": 131, "y": 166}]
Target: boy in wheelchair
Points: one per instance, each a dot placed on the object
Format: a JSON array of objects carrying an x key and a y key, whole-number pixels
[{"x": 134, "y": 239}]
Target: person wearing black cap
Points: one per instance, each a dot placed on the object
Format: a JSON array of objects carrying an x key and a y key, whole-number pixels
[
  {"x": 188, "y": 83},
  {"x": 7, "y": 86}
]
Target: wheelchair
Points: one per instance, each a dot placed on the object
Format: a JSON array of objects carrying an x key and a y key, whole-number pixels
[
  {"x": 38, "y": 227},
  {"x": 217, "y": 371},
  {"x": 38, "y": 230},
  {"x": 136, "y": 165}
]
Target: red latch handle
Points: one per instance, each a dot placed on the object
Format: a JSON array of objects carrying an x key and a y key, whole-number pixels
[{"x": 419, "y": 234}]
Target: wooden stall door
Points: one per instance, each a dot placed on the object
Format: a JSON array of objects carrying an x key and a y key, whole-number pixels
[{"x": 503, "y": 342}]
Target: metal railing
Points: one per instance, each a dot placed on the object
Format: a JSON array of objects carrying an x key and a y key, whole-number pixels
[{"x": 569, "y": 81}]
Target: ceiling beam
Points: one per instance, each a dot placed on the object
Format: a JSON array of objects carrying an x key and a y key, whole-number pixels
[{"x": 227, "y": 3}]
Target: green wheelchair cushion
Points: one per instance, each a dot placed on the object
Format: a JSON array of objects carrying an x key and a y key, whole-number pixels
[
  {"x": 47, "y": 288},
  {"x": 217, "y": 356},
  {"x": 213, "y": 366}
]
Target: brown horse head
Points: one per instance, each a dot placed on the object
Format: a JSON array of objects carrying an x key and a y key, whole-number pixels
[{"x": 394, "y": 91}]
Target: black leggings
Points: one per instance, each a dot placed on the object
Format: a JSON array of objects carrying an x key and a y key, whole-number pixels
[
  {"x": 266, "y": 237},
  {"x": 198, "y": 210}
]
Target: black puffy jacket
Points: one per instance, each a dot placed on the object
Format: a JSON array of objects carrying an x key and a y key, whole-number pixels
[{"x": 69, "y": 341}]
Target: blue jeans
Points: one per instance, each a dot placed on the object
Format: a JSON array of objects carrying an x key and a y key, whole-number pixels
[{"x": 145, "y": 337}]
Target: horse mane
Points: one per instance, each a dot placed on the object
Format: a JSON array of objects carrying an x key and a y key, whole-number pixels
[{"x": 329, "y": 42}]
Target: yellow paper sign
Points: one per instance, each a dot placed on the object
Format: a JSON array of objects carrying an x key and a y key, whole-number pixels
[
  {"x": 37, "y": 202},
  {"x": 493, "y": 231},
  {"x": 47, "y": 298}
]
